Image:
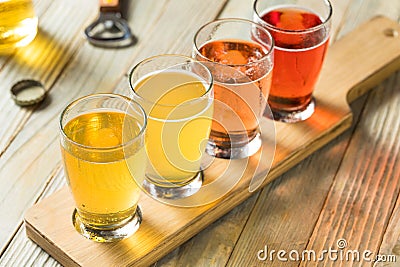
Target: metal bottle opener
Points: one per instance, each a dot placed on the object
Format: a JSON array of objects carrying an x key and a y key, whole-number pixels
[{"x": 110, "y": 30}]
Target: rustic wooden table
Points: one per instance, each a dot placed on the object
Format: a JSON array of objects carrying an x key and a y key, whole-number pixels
[{"x": 346, "y": 191}]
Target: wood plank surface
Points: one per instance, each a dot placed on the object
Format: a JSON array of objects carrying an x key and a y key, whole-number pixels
[
  {"x": 223, "y": 240},
  {"x": 39, "y": 135},
  {"x": 23, "y": 252},
  {"x": 287, "y": 210},
  {"x": 154, "y": 239},
  {"x": 365, "y": 208},
  {"x": 207, "y": 243},
  {"x": 363, "y": 183},
  {"x": 213, "y": 246},
  {"x": 44, "y": 59},
  {"x": 85, "y": 68}
]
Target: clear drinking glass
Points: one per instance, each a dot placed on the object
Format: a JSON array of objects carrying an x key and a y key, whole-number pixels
[
  {"x": 18, "y": 24},
  {"x": 102, "y": 144},
  {"x": 301, "y": 32},
  {"x": 177, "y": 95},
  {"x": 239, "y": 54}
]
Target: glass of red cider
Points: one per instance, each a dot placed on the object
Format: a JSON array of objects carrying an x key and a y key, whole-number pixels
[
  {"x": 239, "y": 54},
  {"x": 301, "y": 33}
]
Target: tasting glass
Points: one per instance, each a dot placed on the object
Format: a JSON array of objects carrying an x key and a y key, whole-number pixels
[
  {"x": 177, "y": 94},
  {"x": 102, "y": 145},
  {"x": 301, "y": 32},
  {"x": 239, "y": 54},
  {"x": 18, "y": 24}
]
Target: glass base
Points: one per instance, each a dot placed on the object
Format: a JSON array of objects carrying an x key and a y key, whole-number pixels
[
  {"x": 110, "y": 233},
  {"x": 176, "y": 192},
  {"x": 294, "y": 116},
  {"x": 233, "y": 152}
]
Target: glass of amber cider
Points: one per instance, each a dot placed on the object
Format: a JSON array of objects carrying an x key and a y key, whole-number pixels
[
  {"x": 102, "y": 145},
  {"x": 239, "y": 54}
]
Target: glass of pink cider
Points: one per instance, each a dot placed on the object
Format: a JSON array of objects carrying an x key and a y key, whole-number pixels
[
  {"x": 239, "y": 54},
  {"x": 301, "y": 33}
]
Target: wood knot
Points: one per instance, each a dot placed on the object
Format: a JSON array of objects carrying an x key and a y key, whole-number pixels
[{"x": 390, "y": 32}]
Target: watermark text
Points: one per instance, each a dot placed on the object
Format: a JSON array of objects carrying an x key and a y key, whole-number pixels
[{"x": 339, "y": 254}]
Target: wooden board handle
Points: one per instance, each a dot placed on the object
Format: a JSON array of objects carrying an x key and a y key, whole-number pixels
[
  {"x": 109, "y": 6},
  {"x": 369, "y": 55}
]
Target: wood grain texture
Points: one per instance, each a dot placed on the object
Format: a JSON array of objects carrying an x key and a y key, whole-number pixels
[
  {"x": 207, "y": 243},
  {"x": 39, "y": 135},
  {"x": 287, "y": 210},
  {"x": 44, "y": 59},
  {"x": 40, "y": 131},
  {"x": 364, "y": 192},
  {"x": 213, "y": 246},
  {"x": 155, "y": 241},
  {"x": 391, "y": 239},
  {"x": 22, "y": 251},
  {"x": 345, "y": 53},
  {"x": 208, "y": 240},
  {"x": 363, "y": 212}
]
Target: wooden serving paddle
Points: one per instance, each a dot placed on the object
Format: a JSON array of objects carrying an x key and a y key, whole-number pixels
[{"x": 354, "y": 64}]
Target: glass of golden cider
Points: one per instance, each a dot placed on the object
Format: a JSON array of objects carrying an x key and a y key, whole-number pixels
[
  {"x": 102, "y": 145},
  {"x": 18, "y": 24},
  {"x": 177, "y": 94}
]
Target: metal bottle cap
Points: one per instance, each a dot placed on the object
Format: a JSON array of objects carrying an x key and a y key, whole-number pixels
[{"x": 28, "y": 92}]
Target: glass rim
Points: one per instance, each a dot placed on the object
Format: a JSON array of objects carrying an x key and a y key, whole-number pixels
[
  {"x": 209, "y": 87},
  {"x": 128, "y": 100},
  {"x": 259, "y": 26},
  {"x": 312, "y": 29}
]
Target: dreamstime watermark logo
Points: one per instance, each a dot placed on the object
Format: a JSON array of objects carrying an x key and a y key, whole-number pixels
[{"x": 340, "y": 254}]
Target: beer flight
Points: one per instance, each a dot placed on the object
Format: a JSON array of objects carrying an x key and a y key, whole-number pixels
[{"x": 182, "y": 108}]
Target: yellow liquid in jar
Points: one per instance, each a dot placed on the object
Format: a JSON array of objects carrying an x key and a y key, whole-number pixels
[
  {"x": 177, "y": 131},
  {"x": 18, "y": 24},
  {"x": 102, "y": 179}
]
